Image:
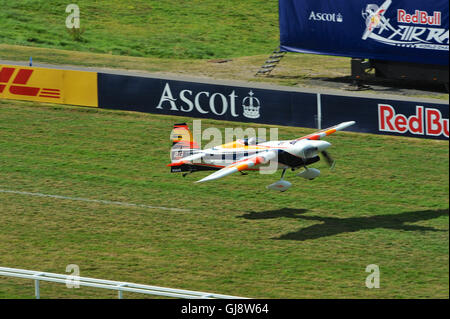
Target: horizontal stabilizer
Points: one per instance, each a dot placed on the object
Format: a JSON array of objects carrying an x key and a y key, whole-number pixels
[{"x": 187, "y": 159}]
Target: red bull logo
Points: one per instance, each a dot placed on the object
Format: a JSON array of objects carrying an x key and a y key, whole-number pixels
[
  {"x": 417, "y": 30},
  {"x": 419, "y": 17},
  {"x": 426, "y": 121}
]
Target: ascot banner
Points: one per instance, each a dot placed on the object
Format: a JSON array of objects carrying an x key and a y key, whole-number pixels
[
  {"x": 203, "y": 100},
  {"x": 401, "y": 30}
]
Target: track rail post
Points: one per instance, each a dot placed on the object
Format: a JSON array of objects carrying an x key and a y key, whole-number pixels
[{"x": 36, "y": 289}]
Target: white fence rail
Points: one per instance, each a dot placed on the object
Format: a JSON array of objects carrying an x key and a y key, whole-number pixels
[{"x": 119, "y": 286}]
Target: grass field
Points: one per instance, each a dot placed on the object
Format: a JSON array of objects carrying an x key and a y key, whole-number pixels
[
  {"x": 176, "y": 37},
  {"x": 170, "y": 28},
  {"x": 386, "y": 203}
]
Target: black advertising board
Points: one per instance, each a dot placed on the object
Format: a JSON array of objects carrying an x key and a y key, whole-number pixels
[
  {"x": 384, "y": 116},
  {"x": 201, "y": 100},
  {"x": 276, "y": 107}
]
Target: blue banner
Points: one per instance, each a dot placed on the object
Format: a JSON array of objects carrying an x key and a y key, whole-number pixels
[
  {"x": 203, "y": 100},
  {"x": 401, "y": 30},
  {"x": 276, "y": 107},
  {"x": 386, "y": 116}
]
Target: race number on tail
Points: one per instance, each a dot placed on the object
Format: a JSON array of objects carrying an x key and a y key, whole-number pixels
[{"x": 182, "y": 142}]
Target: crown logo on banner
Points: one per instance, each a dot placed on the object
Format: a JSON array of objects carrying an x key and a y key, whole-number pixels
[{"x": 251, "y": 106}]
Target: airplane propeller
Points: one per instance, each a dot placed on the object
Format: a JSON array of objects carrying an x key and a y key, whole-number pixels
[{"x": 330, "y": 161}]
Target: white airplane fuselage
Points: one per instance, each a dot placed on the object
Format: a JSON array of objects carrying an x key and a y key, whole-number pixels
[
  {"x": 226, "y": 154},
  {"x": 251, "y": 154}
]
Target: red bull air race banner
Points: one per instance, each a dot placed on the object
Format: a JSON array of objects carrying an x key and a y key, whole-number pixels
[{"x": 394, "y": 30}]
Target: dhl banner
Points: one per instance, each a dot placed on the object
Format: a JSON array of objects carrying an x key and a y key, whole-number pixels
[{"x": 48, "y": 85}]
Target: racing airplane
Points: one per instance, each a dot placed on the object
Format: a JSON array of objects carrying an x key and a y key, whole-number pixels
[
  {"x": 375, "y": 18},
  {"x": 251, "y": 154}
]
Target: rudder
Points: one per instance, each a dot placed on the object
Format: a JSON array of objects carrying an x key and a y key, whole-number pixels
[{"x": 183, "y": 143}]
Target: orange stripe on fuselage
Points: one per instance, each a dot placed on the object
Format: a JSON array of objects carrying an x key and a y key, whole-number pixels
[
  {"x": 239, "y": 145},
  {"x": 242, "y": 166},
  {"x": 177, "y": 163}
]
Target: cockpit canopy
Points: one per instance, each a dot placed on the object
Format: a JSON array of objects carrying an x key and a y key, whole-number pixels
[{"x": 253, "y": 141}]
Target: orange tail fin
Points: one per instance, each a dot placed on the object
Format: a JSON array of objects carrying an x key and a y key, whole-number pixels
[{"x": 182, "y": 142}]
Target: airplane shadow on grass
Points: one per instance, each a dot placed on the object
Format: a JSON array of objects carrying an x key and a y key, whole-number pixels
[{"x": 331, "y": 226}]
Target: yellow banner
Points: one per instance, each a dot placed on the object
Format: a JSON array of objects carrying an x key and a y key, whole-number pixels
[{"x": 48, "y": 85}]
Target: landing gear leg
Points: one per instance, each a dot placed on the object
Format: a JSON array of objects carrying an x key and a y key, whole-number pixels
[{"x": 282, "y": 173}]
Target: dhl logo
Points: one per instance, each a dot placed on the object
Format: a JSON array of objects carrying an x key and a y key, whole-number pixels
[
  {"x": 17, "y": 85},
  {"x": 48, "y": 85}
]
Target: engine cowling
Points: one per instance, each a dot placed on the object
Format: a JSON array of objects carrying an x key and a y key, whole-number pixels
[{"x": 308, "y": 148}]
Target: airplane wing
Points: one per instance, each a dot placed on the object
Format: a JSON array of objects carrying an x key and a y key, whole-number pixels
[
  {"x": 187, "y": 159},
  {"x": 319, "y": 135},
  {"x": 241, "y": 165}
]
